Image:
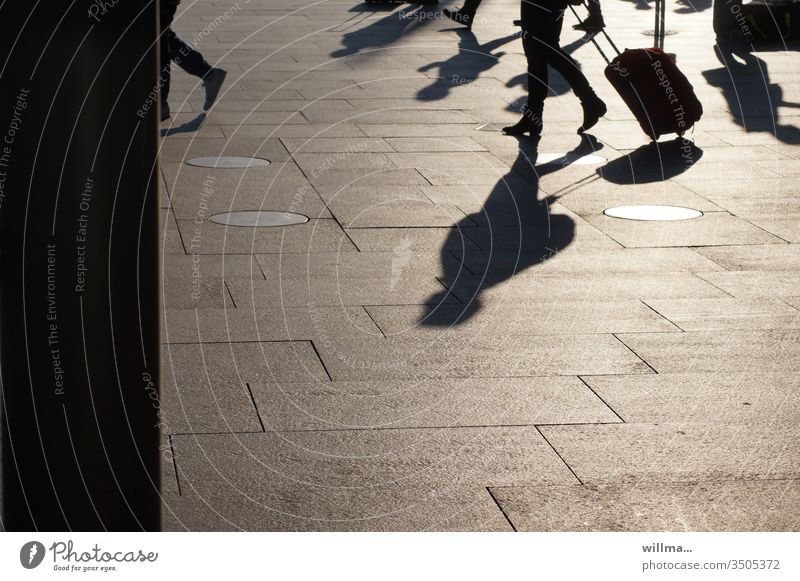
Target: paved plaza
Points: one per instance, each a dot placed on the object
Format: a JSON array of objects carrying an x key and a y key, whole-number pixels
[{"x": 458, "y": 338}]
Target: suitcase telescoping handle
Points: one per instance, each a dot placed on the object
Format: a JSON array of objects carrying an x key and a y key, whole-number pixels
[{"x": 594, "y": 42}]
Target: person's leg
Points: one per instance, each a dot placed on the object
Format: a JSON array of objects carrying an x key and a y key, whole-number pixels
[
  {"x": 464, "y": 15},
  {"x": 471, "y": 6},
  {"x": 595, "y": 12},
  {"x": 565, "y": 64},
  {"x": 166, "y": 14},
  {"x": 594, "y": 21},
  {"x": 567, "y": 67},
  {"x": 186, "y": 57},
  {"x": 192, "y": 62},
  {"x": 537, "y": 23}
]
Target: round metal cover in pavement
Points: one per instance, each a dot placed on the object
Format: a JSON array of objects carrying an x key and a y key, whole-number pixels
[
  {"x": 568, "y": 159},
  {"x": 653, "y": 213},
  {"x": 255, "y": 219},
  {"x": 228, "y": 162}
]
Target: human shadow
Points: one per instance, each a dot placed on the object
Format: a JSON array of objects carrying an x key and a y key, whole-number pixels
[
  {"x": 752, "y": 99},
  {"x": 188, "y": 127},
  {"x": 383, "y": 31},
  {"x": 513, "y": 231},
  {"x": 465, "y": 66},
  {"x": 658, "y": 161}
]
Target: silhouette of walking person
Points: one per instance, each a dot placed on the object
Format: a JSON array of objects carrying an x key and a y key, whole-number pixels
[
  {"x": 173, "y": 49},
  {"x": 466, "y": 15},
  {"x": 541, "y": 30}
]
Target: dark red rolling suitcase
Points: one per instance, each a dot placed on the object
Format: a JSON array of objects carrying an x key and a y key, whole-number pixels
[{"x": 658, "y": 94}]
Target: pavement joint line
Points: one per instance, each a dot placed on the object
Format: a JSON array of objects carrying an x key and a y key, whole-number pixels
[
  {"x": 698, "y": 275},
  {"x": 598, "y": 396},
  {"x": 781, "y": 299},
  {"x": 321, "y": 362},
  {"x": 394, "y": 428},
  {"x": 255, "y": 405},
  {"x": 559, "y": 455},
  {"x": 230, "y": 294},
  {"x": 634, "y": 352},
  {"x": 508, "y": 519},
  {"x": 671, "y": 322},
  {"x": 373, "y": 321},
  {"x": 237, "y": 342},
  {"x": 450, "y": 293},
  {"x": 174, "y": 464},
  {"x": 762, "y": 228}
]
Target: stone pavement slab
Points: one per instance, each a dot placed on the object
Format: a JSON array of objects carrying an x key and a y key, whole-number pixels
[
  {"x": 584, "y": 372},
  {"x": 537, "y": 318},
  {"x": 429, "y": 403},
  {"x": 679, "y": 451},
  {"x": 399, "y": 358},
  {"x": 752, "y": 399},
  {"x": 727, "y": 313},
  {"x": 237, "y": 325},
  {"x": 740, "y": 505},
  {"x": 709, "y": 351}
]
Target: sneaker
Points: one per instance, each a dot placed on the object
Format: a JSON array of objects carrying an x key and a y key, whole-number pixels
[{"x": 212, "y": 83}]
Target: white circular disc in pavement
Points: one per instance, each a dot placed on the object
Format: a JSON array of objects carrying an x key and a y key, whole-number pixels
[
  {"x": 259, "y": 219},
  {"x": 227, "y": 162},
  {"x": 653, "y": 213},
  {"x": 568, "y": 159}
]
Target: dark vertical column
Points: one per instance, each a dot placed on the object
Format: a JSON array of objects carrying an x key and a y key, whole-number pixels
[
  {"x": 79, "y": 292},
  {"x": 659, "y": 30}
]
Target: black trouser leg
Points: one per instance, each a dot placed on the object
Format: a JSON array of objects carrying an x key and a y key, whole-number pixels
[
  {"x": 167, "y": 13},
  {"x": 595, "y": 13},
  {"x": 471, "y": 6},
  {"x": 186, "y": 57},
  {"x": 173, "y": 49},
  {"x": 541, "y": 25},
  {"x": 566, "y": 65}
]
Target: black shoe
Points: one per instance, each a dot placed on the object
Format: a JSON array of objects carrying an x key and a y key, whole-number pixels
[
  {"x": 164, "y": 110},
  {"x": 590, "y": 25},
  {"x": 212, "y": 83},
  {"x": 592, "y": 111},
  {"x": 525, "y": 125},
  {"x": 459, "y": 16}
]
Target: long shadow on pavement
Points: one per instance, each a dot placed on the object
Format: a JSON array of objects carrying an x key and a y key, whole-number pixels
[
  {"x": 655, "y": 162},
  {"x": 465, "y": 66},
  {"x": 515, "y": 231},
  {"x": 753, "y": 99},
  {"x": 383, "y": 31}
]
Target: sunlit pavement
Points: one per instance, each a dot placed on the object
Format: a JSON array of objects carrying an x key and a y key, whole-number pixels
[{"x": 455, "y": 340}]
